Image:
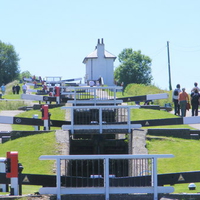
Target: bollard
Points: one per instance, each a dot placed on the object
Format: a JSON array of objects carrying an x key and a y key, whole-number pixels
[
  {"x": 12, "y": 170},
  {"x": 45, "y": 116},
  {"x": 36, "y": 128},
  {"x": 192, "y": 186},
  {"x": 57, "y": 94}
]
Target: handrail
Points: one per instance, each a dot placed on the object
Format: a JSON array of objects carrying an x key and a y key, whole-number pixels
[
  {"x": 107, "y": 189},
  {"x": 101, "y": 124}
]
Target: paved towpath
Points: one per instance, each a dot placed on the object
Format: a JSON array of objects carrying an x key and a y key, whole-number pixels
[
  {"x": 189, "y": 114},
  {"x": 11, "y": 113}
]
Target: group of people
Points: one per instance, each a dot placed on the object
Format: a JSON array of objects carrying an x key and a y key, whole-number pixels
[
  {"x": 182, "y": 99},
  {"x": 16, "y": 89}
]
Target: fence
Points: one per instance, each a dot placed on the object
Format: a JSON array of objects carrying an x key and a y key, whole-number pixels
[
  {"x": 100, "y": 118},
  {"x": 96, "y": 95},
  {"x": 106, "y": 174}
]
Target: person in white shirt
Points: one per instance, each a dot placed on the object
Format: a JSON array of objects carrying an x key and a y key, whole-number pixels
[
  {"x": 195, "y": 87},
  {"x": 175, "y": 99},
  {"x": 24, "y": 88}
]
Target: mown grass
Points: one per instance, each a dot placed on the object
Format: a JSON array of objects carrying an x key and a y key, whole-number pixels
[
  {"x": 186, "y": 154},
  {"x": 12, "y": 101},
  {"x": 186, "y": 157},
  {"x": 140, "y": 89},
  {"x": 29, "y": 149}
]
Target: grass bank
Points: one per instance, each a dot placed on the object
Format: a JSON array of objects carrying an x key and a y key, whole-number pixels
[
  {"x": 12, "y": 101},
  {"x": 186, "y": 157},
  {"x": 140, "y": 89}
]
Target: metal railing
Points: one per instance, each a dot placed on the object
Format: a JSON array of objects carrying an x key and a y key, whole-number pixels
[
  {"x": 100, "y": 118},
  {"x": 106, "y": 174},
  {"x": 95, "y": 95}
]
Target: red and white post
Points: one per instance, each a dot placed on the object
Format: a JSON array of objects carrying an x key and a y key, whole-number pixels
[
  {"x": 45, "y": 116},
  {"x": 57, "y": 94},
  {"x": 12, "y": 171}
]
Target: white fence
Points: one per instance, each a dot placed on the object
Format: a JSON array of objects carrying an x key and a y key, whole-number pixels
[
  {"x": 94, "y": 95},
  {"x": 107, "y": 188},
  {"x": 100, "y": 118}
]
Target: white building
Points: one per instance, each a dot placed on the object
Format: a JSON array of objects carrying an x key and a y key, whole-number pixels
[{"x": 100, "y": 63}]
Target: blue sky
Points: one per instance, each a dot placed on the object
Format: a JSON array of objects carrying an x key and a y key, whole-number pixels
[{"x": 52, "y": 37}]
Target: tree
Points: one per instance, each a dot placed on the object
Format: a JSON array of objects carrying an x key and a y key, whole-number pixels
[
  {"x": 26, "y": 74},
  {"x": 134, "y": 68},
  {"x": 9, "y": 69}
]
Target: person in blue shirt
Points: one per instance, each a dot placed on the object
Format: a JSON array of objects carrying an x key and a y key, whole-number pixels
[{"x": 3, "y": 89}]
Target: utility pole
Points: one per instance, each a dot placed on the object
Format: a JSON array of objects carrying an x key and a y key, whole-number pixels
[{"x": 170, "y": 84}]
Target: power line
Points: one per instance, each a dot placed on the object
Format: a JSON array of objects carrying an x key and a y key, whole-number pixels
[
  {"x": 158, "y": 52},
  {"x": 182, "y": 48}
]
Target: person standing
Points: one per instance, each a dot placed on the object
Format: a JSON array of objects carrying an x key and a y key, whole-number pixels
[
  {"x": 195, "y": 102},
  {"x": 195, "y": 87},
  {"x": 24, "y": 88},
  {"x": 14, "y": 89},
  {"x": 183, "y": 98},
  {"x": 175, "y": 99},
  {"x": 3, "y": 89},
  {"x": 17, "y": 88}
]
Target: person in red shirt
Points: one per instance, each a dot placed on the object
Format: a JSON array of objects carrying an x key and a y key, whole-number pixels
[{"x": 183, "y": 98}]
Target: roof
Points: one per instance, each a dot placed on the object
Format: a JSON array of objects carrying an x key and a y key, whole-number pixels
[{"x": 94, "y": 55}]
